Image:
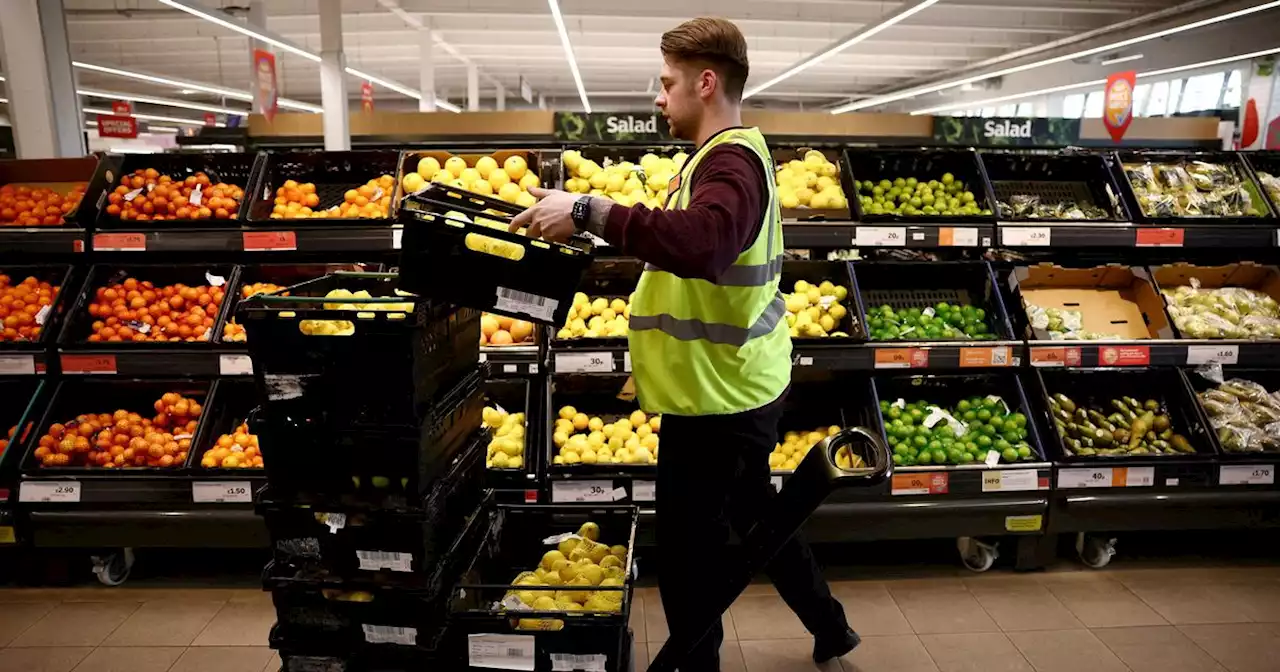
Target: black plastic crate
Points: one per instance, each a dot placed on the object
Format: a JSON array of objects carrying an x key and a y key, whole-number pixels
[
  {"x": 1266, "y": 168},
  {"x": 72, "y": 398},
  {"x": 23, "y": 398},
  {"x": 78, "y": 324},
  {"x": 837, "y": 273},
  {"x": 515, "y": 543},
  {"x": 875, "y": 165},
  {"x": 915, "y": 285},
  {"x": 1095, "y": 388},
  {"x": 236, "y": 169},
  {"x": 383, "y": 541},
  {"x": 453, "y": 259},
  {"x": 64, "y": 175},
  {"x": 515, "y": 395},
  {"x": 1050, "y": 179},
  {"x": 331, "y": 656},
  {"x": 540, "y": 163},
  {"x": 610, "y": 279},
  {"x": 280, "y": 275},
  {"x": 818, "y": 400},
  {"x": 231, "y": 403},
  {"x": 595, "y": 395},
  {"x": 1269, "y": 379},
  {"x": 332, "y": 173},
  {"x": 1168, "y": 206},
  {"x": 62, "y": 279},
  {"x": 781, "y": 156}
]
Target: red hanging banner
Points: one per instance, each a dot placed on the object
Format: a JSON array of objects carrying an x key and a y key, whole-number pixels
[
  {"x": 117, "y": 126},
  {"x": 121, "y": 108},
  {"x": 210, "y": 119},
  {"x": 1117, "y": 111},
  {"x": 366, "y": 97},
  {"x": 265, "y": 92}
]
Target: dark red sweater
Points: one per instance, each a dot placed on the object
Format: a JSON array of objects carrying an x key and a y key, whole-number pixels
[{"x": 701, "y": 241}]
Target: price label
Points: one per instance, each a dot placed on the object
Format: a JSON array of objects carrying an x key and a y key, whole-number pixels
[
  {"x": 902, "y": 358},
  {"x": 880, "y": 236},
  {"x": 120, "y": 242},
  {"x": 584, "y": 362},
  {"x": 1159, "y": 238},
  {"x": 920, "y": 483},
  {"x": 1124, "y": 355},
  {"x": 581, "y": 492},
  {"x": 644, "y": 491},
  {"x": 387, "y": 634},
  {"x": 235, "y": 365},
  {"x": 1247, "y": 474},
  {"x": 1010, "y": 480},
  {"x": 59, "y": 492},
  {"x": 579, "y": 662},
  {"x": 984, "y": 357},
  {"x": 88, "y": 364},
  {"x": 1054, "y": 357},
  {"x": 777, "y": 483},
  {"x": 262, "y": 241},
  {"x": 1023, "y": 523},
  {"x": 963, "y": 236},
  {"x": 17, "y": 365},
  {"x": 375, "y": 560},
  {"x": 501, "y": 652},
  {"x": 1085, "y": 478},
  {"x": 222, "y": 492},
  {"x": 1025, "y": 236},
  {"x": 397, "y": 237},
  {"x": 1133, "y": 477},
  {"x": 1213, "y": 354},
  {"x": 626, "y": 361}
]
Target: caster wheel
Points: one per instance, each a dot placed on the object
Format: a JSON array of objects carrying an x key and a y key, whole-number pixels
[
  {"x": 976, "y": 555},
  {"x": 113, "y": 570},
  {"x": 1095, "y": 552}
]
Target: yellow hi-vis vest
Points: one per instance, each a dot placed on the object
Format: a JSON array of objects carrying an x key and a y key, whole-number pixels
[{"x": 702, "y": 347}]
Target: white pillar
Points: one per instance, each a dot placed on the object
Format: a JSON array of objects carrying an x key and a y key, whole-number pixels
[
  {"x": 542, "y": 101},
  {"x": 473, "y": 88},
  {"x": 333, "y": 78},
  {"x": 426, "y": 71},
  {"x": 43, "y": 106},
  {"x": 502, "y": 98}
]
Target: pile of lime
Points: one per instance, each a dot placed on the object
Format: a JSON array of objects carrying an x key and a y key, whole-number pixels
[
  {"x": 922, "y": 433},
  {"x": 942, "y": 321},
  {"x": 910, "y": 196}
]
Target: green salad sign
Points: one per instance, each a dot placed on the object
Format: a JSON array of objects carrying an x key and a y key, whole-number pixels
[
  {"x": 611, "y": 127},
  {"x": 1006, "y": 131}
]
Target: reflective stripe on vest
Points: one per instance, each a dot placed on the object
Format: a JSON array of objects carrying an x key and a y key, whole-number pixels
[
  {"x": 749, "y": 275},
  {"x": 723, "y": 334}
]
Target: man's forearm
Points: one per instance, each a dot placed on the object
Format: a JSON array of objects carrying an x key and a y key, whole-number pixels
[{"x": 600, "y": 208}]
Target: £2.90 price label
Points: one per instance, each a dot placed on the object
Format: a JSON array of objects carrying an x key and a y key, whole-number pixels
[
  {"x": 1085, "y": 478},
  {"x": 222, "y": 492},
  {"x": 1247, "y": 474},
  {"x": 49, "y": 491},
  {"x": 582, "y": 492},
  {"x": 880, "y": 236},
  {"x": 584, "y": 362}
]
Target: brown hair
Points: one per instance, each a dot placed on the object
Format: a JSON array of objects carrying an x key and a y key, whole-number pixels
[{"x": 714, "y": 43}]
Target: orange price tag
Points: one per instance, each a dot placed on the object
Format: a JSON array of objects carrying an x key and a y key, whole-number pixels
[
  {"x": 1055, "y": 356},
  {"x": 920, "y": 483},
  {"x": 984, "y": 357},
  {"x": 120, "y": 242},
  {"x": 261, "y": 241},
  {"x": 949, "y": 236},
  {"x": 902, "y": 358},
  {"x": 88, "y": 363},
  {"x": 1159, "y": 237},
  {"x": 77, "y": 245}
]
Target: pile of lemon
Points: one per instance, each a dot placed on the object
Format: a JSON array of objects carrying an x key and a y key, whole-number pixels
[
  {"x": 583, "y": 439},
  {"x": 506, "y": 448},
  {"x": 564, "y": 579},
  {"x": 510, "y": 181},
  {"x": 624, "y": 182},
  {"x": 599, "y": 317},
  {"x": 815, "y": 311},
  {"x": 811, "y": 183},
  {"x": 349, "y": 300},
  {"x": 795, "y": 445}
]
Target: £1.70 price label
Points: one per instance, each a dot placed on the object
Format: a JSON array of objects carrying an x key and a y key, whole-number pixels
[{"x": 1247, "y": 474}]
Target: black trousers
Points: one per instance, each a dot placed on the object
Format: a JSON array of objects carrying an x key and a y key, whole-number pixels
[{"x": 713, "y": 475}]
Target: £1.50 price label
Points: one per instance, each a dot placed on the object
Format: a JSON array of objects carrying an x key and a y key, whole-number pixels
[{"x": 222, "y": 492}]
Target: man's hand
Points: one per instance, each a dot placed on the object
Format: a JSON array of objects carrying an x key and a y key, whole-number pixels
[{"x": 551, "y": 218}]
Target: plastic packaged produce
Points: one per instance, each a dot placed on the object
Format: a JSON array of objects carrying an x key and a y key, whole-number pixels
[
  {"x": 1029, "y": 206},
  {"x": 922, "y": 433},
  {"x": 942, "y": 321},
  {"x": 1118, "y": 426},
  {"x": 1063, "y": 324},
  {"x": 1244, "y": 415},
  {"x": 238, "y": 450},
  {"x": 1271, "y": 185},
  {"x": 583, "y": 439},
  {"x": 124, "y": 439},
  {"x": 1191, "y": 189},
  {"x": 506, "y": 448},
  {"x": 815, "y": 311},
  {"x": 622, "y": 181},
  {"x": 568, "y": 578},
  {"x": 912, "y": 196},
  {"x": 1224, "y": 312},
  {"x": 24, "y": 307},
  {"x": 810, "y": 183}
]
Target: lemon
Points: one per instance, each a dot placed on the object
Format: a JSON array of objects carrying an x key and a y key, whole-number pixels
[
  {"x": 412, "y": 183},
  {"x": 572, "y": 158},
  {"x": 515, "y": 167},
  {"x": 455, "y": 165},
  {"x": 643, "y": 429},
  {"x": 529, "y": 180},
  {"x": 638, "y": 418},
  {"x": 486, "y": 165},
  {"x": 470, "y": 176},
  {"x": 841, "y": 292},
  {"x": 544, "y": 603},
  {"x": 428, "y": 166},
  {"x": 526, "y": 200},
  {"x": 610, "y": 561},
  {"x": 655, "y": 423},
  {"x": 482, "y": 187},
  {"x": 614, "y": 182},
  {"x": 787, "y": 198},
  {"x": 559, "y": 438},
  {"x": 592, "y": 573},
  {"x": 588, "y": 169},
  {"x": 650, "y": 442}
]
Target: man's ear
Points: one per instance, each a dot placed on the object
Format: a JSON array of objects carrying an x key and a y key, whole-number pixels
[{"x": 708, "y": 81}]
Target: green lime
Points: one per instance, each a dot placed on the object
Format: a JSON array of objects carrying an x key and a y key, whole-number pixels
[
  {"x": 1024, "y": 451},
  {"x": 897, "y": 459},
  {"x": 924, "y": 458},
  {"x": 1009, "y": 455}
]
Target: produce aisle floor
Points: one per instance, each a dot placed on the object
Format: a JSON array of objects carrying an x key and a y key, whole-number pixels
[{"x": 1205, "y": 616}]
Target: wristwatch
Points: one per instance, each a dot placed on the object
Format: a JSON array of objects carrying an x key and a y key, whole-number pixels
[{"x": 581, "y": 213}]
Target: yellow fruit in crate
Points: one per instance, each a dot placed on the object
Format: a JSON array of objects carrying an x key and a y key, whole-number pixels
[
  {"x": 515, "y": 167},
  {"x": 588, "y": 169},
  {"x": 572, "y": 158},
  {"x": 486, "y": 165},
  {"x": 413, "y": 183},
  {"x": 580, "y": 422},
  {"x": 614, "y": 182},
  {"x": 549, "y": 559},
  {"x": 482, "y": 187},
  {"x": 428, "y": 166},
  {"x": 526, "y": 200},
  {"x": 455, "y": 165},
  {"x": 470, "y": 176},
  {"x": 508, "y": 192},
  {"x": 820, "y": 201},
  {"x": 638, "y": 418},
  {"x": 529, "y": 180},
  {"x": 567, "y": 412}
]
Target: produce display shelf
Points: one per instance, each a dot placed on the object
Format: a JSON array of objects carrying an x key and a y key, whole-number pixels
[
  {"x": 177, "y": 526},
  {"x": 913, "y": 236},
  {"x": 15, "y": 241},
  {"x": 302, "y": 238},
  {"x": 1067, "y": 235},
  {"x": 930, "y": 355},
  {"x": 513, "y": 360},
  {"x": 156, "y": 361},
  {"x": 149, "y": 488},
  {"x": 1143, "y": 353}
]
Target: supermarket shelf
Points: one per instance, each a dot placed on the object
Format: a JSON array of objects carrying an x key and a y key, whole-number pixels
[
  {"x": 1089, "y": 354},
  {"x": 512, "y": 360},
  {"x": 382, "y": 238},
  {"x": 40, "y": 240},
  {"x": 29, "y": 363},
  {"x": 155, "y": 361},
  {"x": 144, "y": 488},
  {"x": 228, "y": 527},
  {"x": 850, "y": 234},
  {"x": 907, "y": 355},
  {"x": 1029, "y": 235},
  {"x": 1162, "y": 509}
]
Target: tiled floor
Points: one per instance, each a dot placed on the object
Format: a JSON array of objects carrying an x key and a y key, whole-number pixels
[{"x": 1146, "y": 620}]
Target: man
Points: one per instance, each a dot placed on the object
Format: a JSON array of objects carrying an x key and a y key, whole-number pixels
[{"x": 709, "y": 347}]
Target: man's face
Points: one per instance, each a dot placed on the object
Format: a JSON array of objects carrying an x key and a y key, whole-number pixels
[{"x": 679, "y": 99}]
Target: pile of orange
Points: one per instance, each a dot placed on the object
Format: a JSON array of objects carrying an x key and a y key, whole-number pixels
[
  {"x": 371, "y": 200},
  {"x": 20, "y": 307},
  {"x": 136, "y": 310},
  {"x": 124, "y": 439},
  {"x": 234, "y": 332},
  {"x": 234, "y": 451},
  {"x": 146, "y": 195},
  {"x": 502, "y": 330},
  {"x": 22, "y": 205}
]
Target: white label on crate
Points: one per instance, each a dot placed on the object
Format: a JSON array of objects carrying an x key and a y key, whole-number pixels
[
  {"x": 196, "y": 196},
  {"x": 964, "y": 236},
  {"x": 533, "y": 368},
  {"x": 1085, "y": 478},
  {"x": 777, "y": 483},
  {"x": 281, "y": 387},
  {"x": 502, "y": 652},
  {"x": 222, "y": 492},
  {"x": 619, "y": 493},
  {"x": 626, "y": 361},
  {"x": 509, "y": 368},
  {"x": 580, "y": 492},
  {"x": 1247, "y": 474},
  {"x": 49, "y": 491},
  {"x": 804, "y": 361},
  {"x": 134, "y": 194},
  {"x": 1013, "y": 480},
  {"x": 214, "y": 280},
  {"x": 1139, "y": 477},
  {"x": 335, "y": 521},
  {"x": 42, "y": 315},
  {"x": 880, "y": 236},
  {"x": 235, "y": 365},
  {"x": 1026, "y": 236},
  {"x": 644, "y": 491},
  {"x": 375, "y": 560},
  {"x": 575, "y": 662},
  {"x": 993, "y": 458},
  {"x": 397, "y": 237},
  {"x": 556, "y": 540},
  {"x": 17, "y": 365},
  {"x": 539, "y": 307},
  {"x": 584, "y": 362},
  {"x": 386, "y": 634},
  {"x": 1213, "y": 354}
]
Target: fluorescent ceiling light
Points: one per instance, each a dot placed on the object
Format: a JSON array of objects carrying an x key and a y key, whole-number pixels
[
  {"x": 446, "y": 105},
  {"x": 394, "y": 86},
  {"x": 161, "y": 129},
  {"x": 1120, "y": 59},
  {"x": 963, "y": 105},
  {"x": 568, "y": 53},
  {"x": 155, "y": 117},
  {"x": 227, "y": 21},
  {"x": 911, "y": 93},
  {"x": 111, "y": 95},
  {"x": 194, "y": 86},
  {"x": 861, "y": 35},
  {"x": 4, "y": 100}
]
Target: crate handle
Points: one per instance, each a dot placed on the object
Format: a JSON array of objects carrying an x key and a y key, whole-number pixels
[
  {"x": 343, "y": 327},
  {"x": 478, "y": 242}
]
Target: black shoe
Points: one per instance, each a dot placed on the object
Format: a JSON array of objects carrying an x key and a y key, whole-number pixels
[{"x": 825, "y": 648}]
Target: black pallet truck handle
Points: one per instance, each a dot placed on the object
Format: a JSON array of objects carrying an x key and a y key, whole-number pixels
[{"x": 815, "y": 478}]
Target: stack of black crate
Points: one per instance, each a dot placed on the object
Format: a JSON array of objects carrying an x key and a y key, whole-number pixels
[{"x": 375, "y": 467}]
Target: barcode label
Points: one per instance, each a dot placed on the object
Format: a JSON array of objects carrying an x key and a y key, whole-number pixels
[
  {"x": 387, "y": 634},
  {"x": 537, "y": 307},
  {"x": 503, "y": 652},
  {"x": 375, "y": 560},
  {"x": 578, "y": 662}
]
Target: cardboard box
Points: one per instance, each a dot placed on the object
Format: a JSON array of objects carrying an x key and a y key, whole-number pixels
[
  {"x": 1113, "y": 299},
  {"x": 782, "y": 156}
]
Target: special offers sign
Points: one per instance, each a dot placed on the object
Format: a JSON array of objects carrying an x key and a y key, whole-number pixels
[{"x": 611, "y": 127}]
